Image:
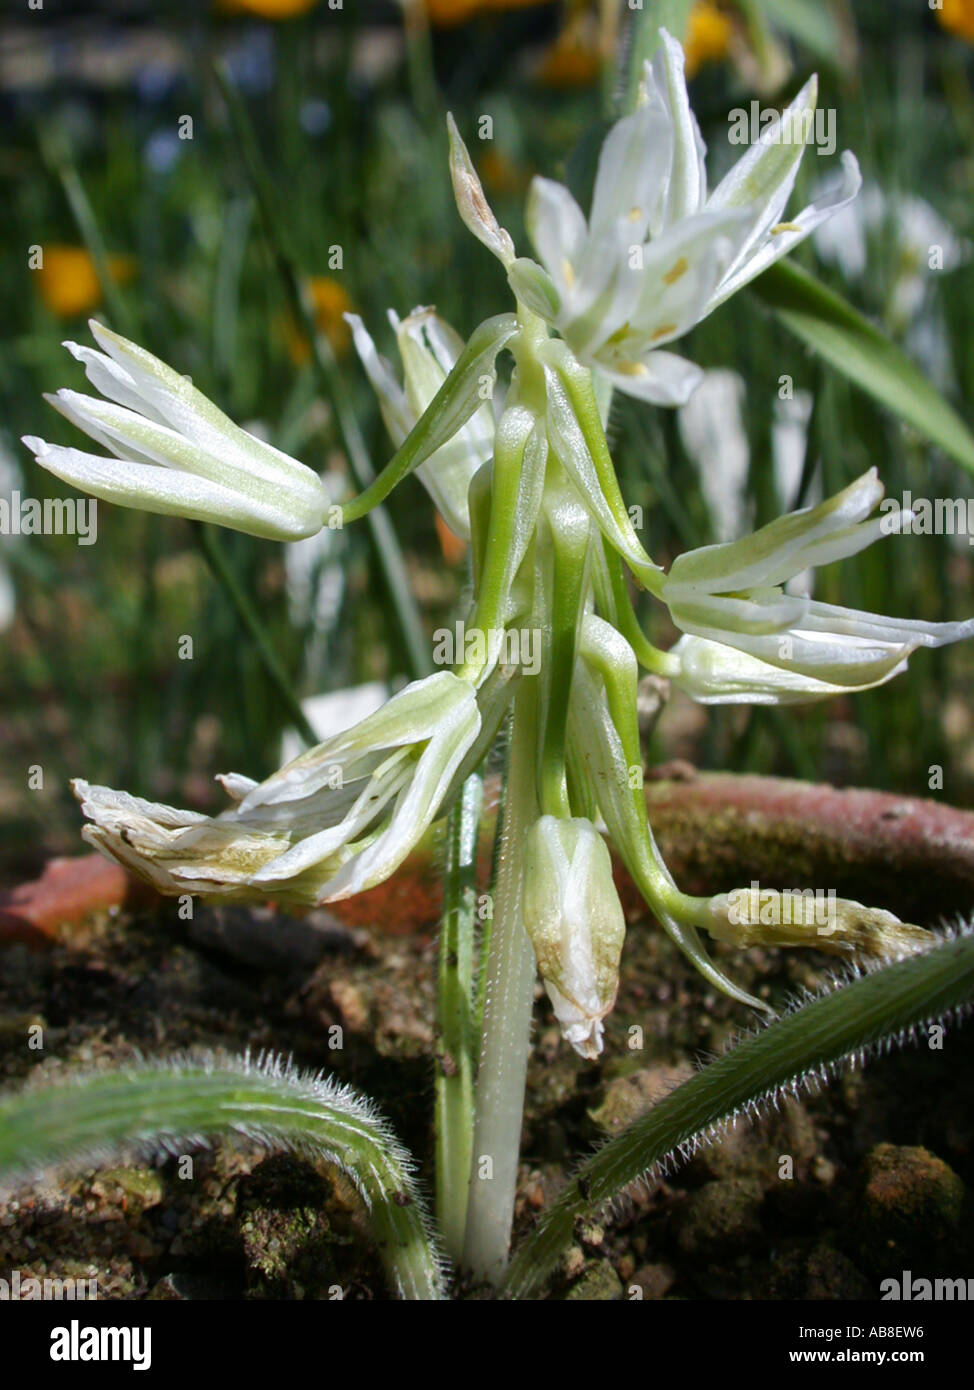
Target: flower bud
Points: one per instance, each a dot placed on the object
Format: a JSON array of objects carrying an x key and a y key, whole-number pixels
[
  {"x": 757, "y": 916},
  {"x": 174, "y": 453},
  {"x": 574, "y": 919}
]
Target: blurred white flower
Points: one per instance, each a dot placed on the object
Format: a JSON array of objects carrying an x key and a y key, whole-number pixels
[
  {"x": 922, "y": 245},
  {"x": 712, "y": 430},
  {"x": 711, "y": 426}
]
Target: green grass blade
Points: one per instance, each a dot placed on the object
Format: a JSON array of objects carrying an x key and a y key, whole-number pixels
[
  {"x": 849, "y": 342},
  {"x": 384, "y": 538},
  {"x": 160, "y": 1105},
  {"x": 813, "y": 1038},
  {"x": 643, "y": 36}
]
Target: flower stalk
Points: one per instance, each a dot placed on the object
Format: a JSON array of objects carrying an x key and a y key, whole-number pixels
[{"x": 505, "y": 1040}]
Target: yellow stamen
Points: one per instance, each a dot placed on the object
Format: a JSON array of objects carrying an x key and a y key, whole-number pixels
[
  {"x": 679, "y": 268},
  {"x": 568, "y": 273},
  {"x": 664, "y": 330},
  {"x": 785, "y": 227}
]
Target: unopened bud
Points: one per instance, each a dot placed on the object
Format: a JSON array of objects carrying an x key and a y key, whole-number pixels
[
  {"x": 757, "y": 916},
  {"x": 574, "y": 919}
]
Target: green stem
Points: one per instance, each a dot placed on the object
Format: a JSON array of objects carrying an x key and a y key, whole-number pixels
[
  {"x": 454, "y": 1021},
  {"x": 505, "y": 1043},
  {"x": 154, "y": 1106},
  {"x": 452, "y": 406},
  {"x": 216, "y": 557},
  {"x": 820, "y": 1036},
  {"x": 614, "y": 598}
]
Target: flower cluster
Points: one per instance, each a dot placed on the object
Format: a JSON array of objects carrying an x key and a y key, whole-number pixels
[{"x": 529, "y": 480}]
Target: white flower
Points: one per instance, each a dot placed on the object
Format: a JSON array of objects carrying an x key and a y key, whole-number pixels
[
  {"x": 429, "y": 348},
  {"x": 574, "y": 918},
  {"x": 916, "y": 241},
  {"x": 711, "y": 426},
  {"x": 335, "y": 821},
  {"x": 658, "y": 253},
  {"x": 712, "y": 432},
  {"x": 750, "y": 641},
  {"x": 175, "y": 452}
]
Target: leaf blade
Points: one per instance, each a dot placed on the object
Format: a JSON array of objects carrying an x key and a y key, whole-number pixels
[{"x": 846, "y": 339}]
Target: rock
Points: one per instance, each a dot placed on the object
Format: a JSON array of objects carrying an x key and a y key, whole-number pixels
[
  {"x": 655, "y": 1281},
  {"x": 134, "y": 1190},
  {"x": 821, "y": 1272},
  {"x": 721, "y": 1216},
  {"x": 628, "y": 1098},
  {"x": 288, "y": 1241},
  {"x": 599, "y": 1283},
  {"x": 746, "y": 1150},
  {"x": 270, "y": 940},
  {"x": 911, "y": 1211}
]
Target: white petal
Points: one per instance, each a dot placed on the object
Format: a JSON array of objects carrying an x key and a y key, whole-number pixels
[
  {"x": 772, "y": 553},
  {"x": 762, "y": 179},
  {"x": 662, "y": 378},
  {"x": 556, "y": 226},
  {"x": 680, "y": 271},
  {"x": 631, "y": 176},
  {"x": 167, "y": 492},
  {"x": 778, "y": 244},
  {"x": 687, "y": 189},
  {"x": 172, "y": 398},
  {"x": 399, "y": 418},
  {"x": 417, "y": 807},
  {"x": 714, "y": 673}
]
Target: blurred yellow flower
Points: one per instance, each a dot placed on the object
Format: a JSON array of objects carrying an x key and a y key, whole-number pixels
[
  {"x": 575, "y": 57},
  {"x": 444, "y": 14},
  {"x": 68, "y": 282},
  {"x": 501, "y": 174},
  {"x": 268, "y": 9},
  {"x": 958, "y": 17},
  {"x": 709, "y": 31},
  {"x": 329, "y": 300}
]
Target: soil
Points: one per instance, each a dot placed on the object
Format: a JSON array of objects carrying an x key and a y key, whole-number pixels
[{"x": 823, "y": 1198}]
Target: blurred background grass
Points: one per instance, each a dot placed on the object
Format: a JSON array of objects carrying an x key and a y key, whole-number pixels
[{"x": 348, "y": 106}]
